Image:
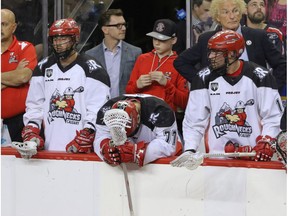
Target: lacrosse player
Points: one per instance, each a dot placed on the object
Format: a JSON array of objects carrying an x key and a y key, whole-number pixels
[
  {"x": 149, "y": 132},
  {"x": 66, "y": 91},
  {"x": 235, "y": 101}
]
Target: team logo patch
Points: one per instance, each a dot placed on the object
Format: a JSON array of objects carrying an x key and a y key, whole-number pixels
[
  {"x": 153, "y": 117},
  {"x": 12, "y": 58},
  {"x": 63, "y": 106},
  {"x": 260, "y": 72},
  {"x": 48, "y": 72},
  {"x": 92, "y": 65},
  {"x": 214, "y": 86},
  {"x": 233, "y": 120}
]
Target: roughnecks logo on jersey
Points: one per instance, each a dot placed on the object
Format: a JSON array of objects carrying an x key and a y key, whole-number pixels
[
  {"x": 62, "y": 106},
  {"x": 233, "y": 120}
]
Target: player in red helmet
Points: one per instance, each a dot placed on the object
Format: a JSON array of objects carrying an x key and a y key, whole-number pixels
[
  {"x": 227, "y": 44},
  {"x": 64, "y": 35},
  {"x": 136, "y": 129},
  {"x": 64, "y": 94},
  {"x": 131, "y": 107},
  {"x": 227, "y": 87}
]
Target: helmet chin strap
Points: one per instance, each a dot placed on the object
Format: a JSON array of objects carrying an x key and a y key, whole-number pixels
[
  {"x": 223, "y": 69},
  {"x": 65, "y": 54}
]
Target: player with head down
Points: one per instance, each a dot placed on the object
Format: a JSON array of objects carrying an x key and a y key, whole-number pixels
[
  {"x": 66, "y": 91},
  {"x": 240, "y": 107},
  {"x": 135, "y": 129}
]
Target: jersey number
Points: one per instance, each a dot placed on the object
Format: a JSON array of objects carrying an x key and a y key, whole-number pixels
[{"x": 170, "y": 136}]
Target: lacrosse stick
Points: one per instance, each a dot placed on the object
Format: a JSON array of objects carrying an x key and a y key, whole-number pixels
[
  {"x": 192, "y": 160},
  {"x": 26, "y": 149},
  {"x": 280, "y": 146},
  {"x": 116, "y": 120}
]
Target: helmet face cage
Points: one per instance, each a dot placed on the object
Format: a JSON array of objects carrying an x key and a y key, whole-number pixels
[
  {"x": 130, "y": 108},
  {"x": 64, "y": 27},
  {"x": 225, "y": 42},
  {"x": 215, "y": 61}
]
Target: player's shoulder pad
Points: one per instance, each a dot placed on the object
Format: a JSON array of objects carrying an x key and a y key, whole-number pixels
[
  {"x": 156, "y": 113},
  {"x": 43, "y": 64},
  {"x": 202, "y": 79},
  {"x": 94, "y": 69},
  {"x": 107, "y": 106},
  {"x": 261, "y": 76}
]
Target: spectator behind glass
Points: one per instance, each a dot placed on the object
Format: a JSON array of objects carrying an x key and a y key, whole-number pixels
[
  {"x": 18, "y": 60},
  {"x": 255, "y": 17},
  {"x": 236, "y": 102},
  {"x": 201, "y": 22},
  {"x": 66, "y": 91},
  {"x": 258, "y": 47},
  {"x": 155, "y": 74},
  {"x": 116, "y": 56}
]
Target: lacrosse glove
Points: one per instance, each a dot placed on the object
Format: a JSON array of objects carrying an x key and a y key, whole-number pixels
[
  {"x": 30, "y": 133},
  {"x": 126, "y": 153},
  {"x": 83, "y": 142},
  {"x": 231, "y": 147},
  {"x": 263, "y": 149}
]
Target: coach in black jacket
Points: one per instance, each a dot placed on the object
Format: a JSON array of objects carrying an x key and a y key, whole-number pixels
[{"x": 258, "y": 46}]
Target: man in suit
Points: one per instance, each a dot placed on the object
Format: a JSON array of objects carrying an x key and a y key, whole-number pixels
[
  {"x": 258, "y": 47},
  {"x": 115, "y": 55}
]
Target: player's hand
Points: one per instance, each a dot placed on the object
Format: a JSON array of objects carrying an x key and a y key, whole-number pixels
[
  {"x": 30, "y": 133},
  {"x": 159, "y": 77},
  {"x": 126, "y": 153},
  {"x": 231, "y": 147},
  {"x": 109, "y": 152},
  {"x": 143, "y": 81},
  {"x": 83, "y": 142},
  {"x": 130, "y": 152},
  {"x": 263, "y": 149}
]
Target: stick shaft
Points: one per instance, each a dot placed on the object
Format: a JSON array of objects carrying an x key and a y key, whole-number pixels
[
  {"x": 127, "y": 185},
  {"x": 235, "y": 154}
]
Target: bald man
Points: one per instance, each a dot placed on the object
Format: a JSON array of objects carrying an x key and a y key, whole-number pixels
[{"x": 18, "y": 60}]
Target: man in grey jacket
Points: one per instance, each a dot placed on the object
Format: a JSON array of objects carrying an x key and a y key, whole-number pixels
[{"x": 115, "y": 55}]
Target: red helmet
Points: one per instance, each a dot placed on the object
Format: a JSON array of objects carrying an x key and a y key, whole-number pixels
[
  {"x": 65, "y": 27},
  {"x": 227, "y": 40},
  {"x": 129, "y": 107}
]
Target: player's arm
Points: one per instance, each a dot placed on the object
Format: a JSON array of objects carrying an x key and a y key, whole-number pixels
[
  {"x": 164, "y": 144},
  {"x": 270, "y": 106},
  {"x": 197, "y": 115},
  {"x": 35, "y": 99},
  {"x": 97, "y": 81}
]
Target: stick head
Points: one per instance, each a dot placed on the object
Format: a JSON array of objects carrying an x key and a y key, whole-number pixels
[
  {"x": 281, "y": 147},
  {"x": 189, "y": 160},
  {"x": 129, "y": 107},
  {"x": 117, "y": 120},
  {"x": 26, "y": 149}
]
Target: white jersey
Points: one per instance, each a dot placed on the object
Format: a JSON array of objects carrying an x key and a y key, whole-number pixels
[
  {"x": 232, "y": 108},
  {"x": 158, "y": 127},
  {"x": 66, "y": 99}
]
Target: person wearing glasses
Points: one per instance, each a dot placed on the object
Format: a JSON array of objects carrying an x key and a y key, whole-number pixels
[
  {"x": 116, "y": 56},
  {"x": 258, "y": 47}
]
